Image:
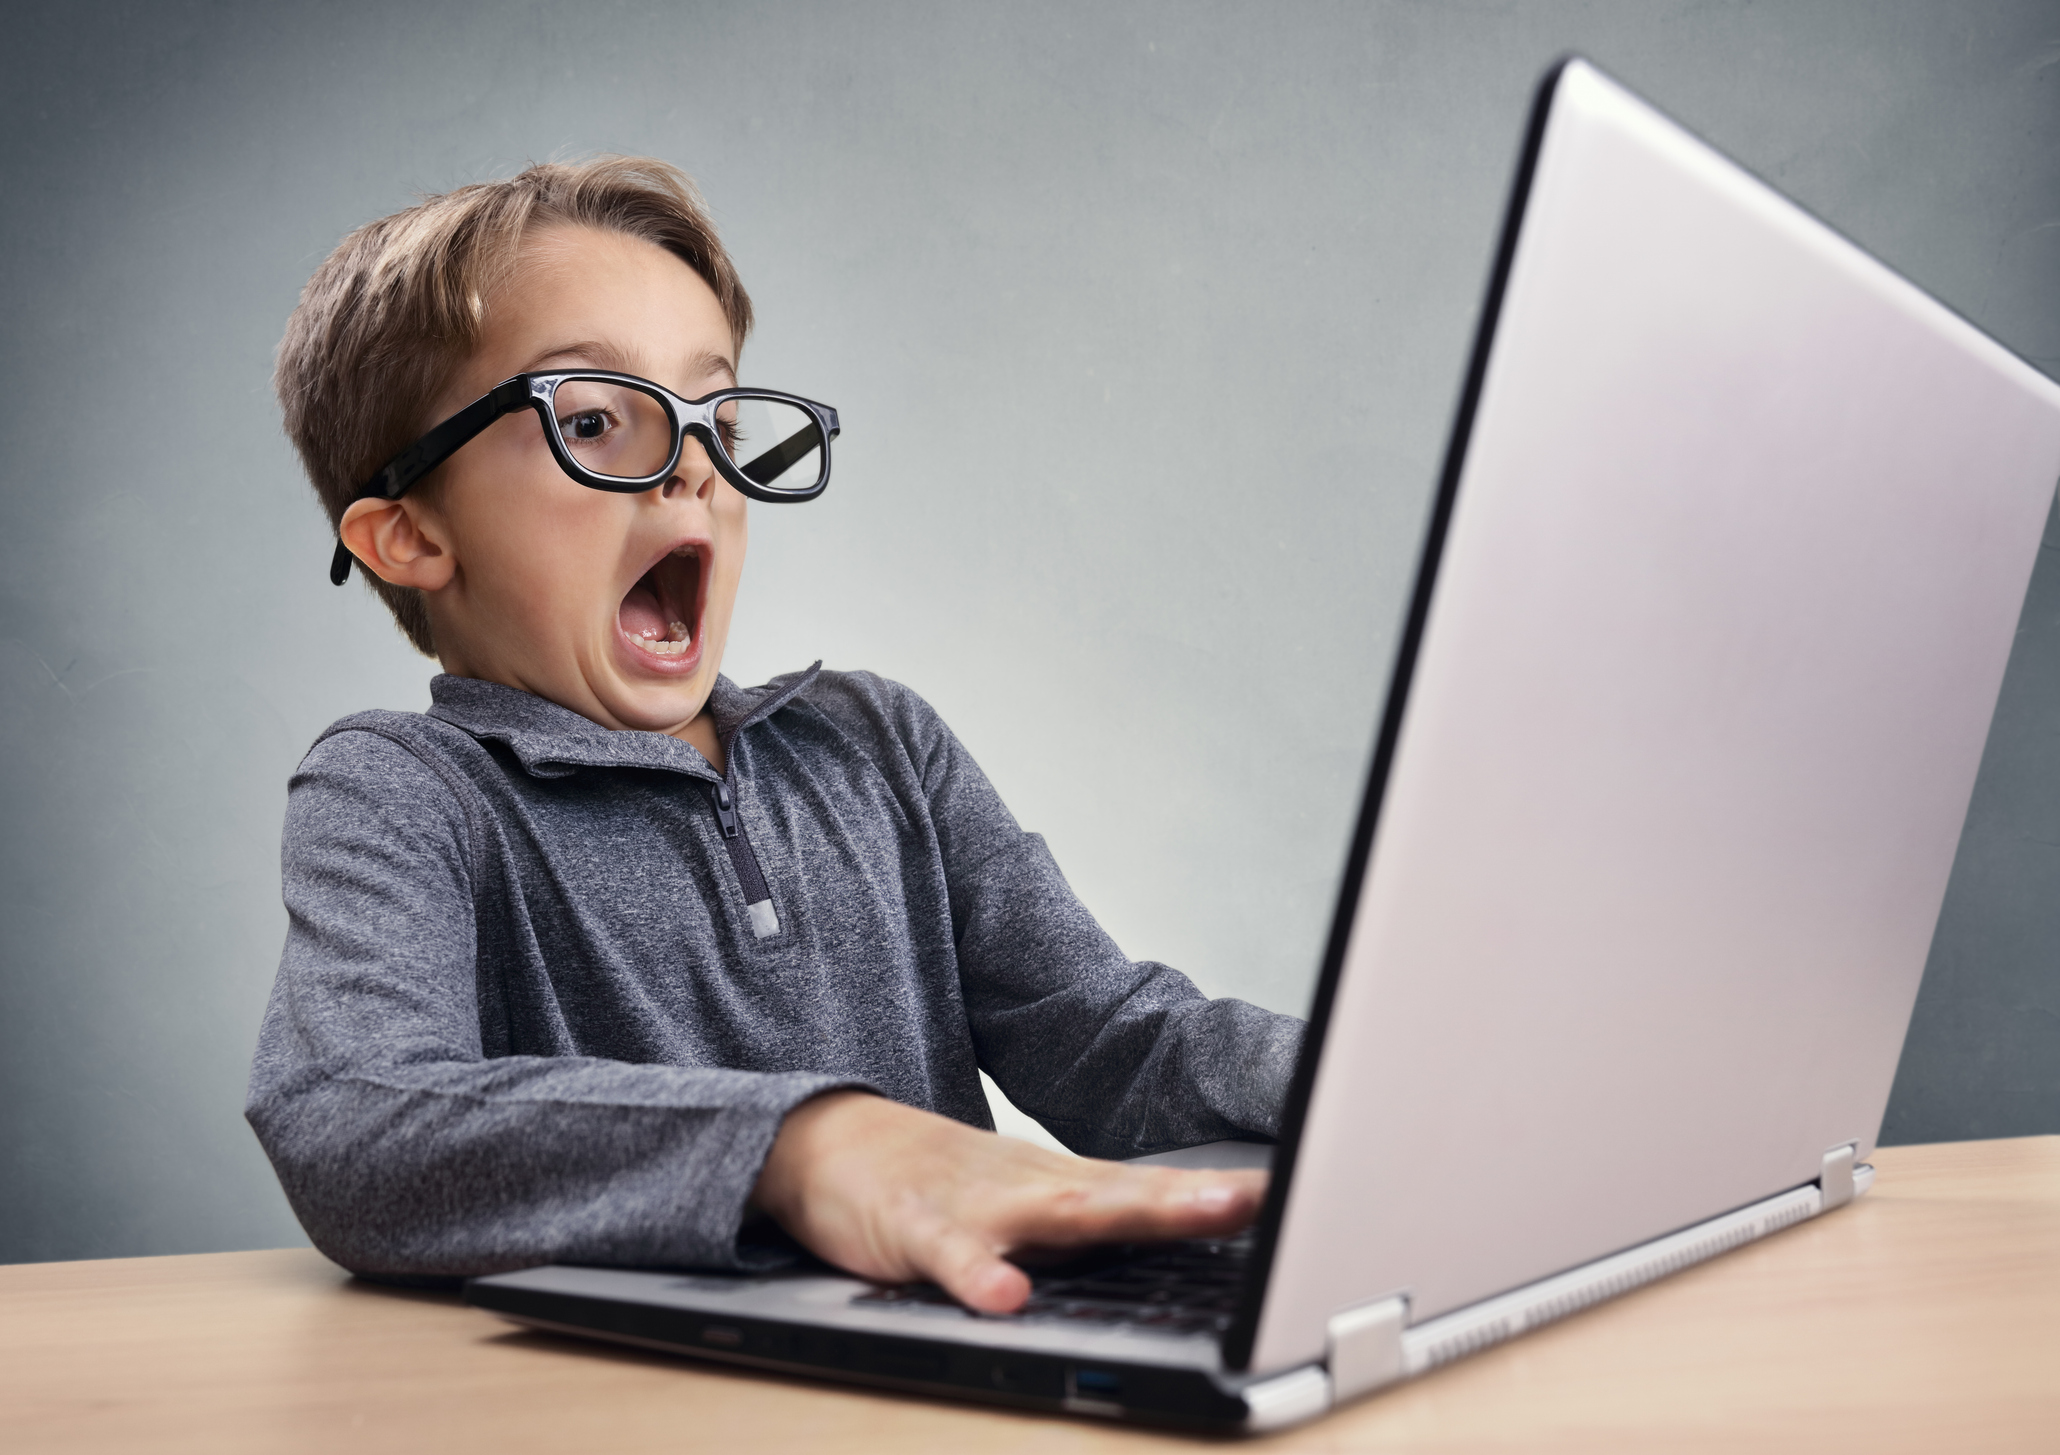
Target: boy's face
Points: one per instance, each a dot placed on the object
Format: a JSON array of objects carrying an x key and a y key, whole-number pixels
[{"x": 616, "y": 606}]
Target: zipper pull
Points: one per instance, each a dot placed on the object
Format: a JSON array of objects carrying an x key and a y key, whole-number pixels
[{"x": 725, "y": 808}]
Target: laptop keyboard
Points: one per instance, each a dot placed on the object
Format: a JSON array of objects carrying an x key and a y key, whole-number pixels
[{"x": 1171, "y": 1288}]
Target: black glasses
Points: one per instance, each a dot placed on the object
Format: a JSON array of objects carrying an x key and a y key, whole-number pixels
[{"x": 618, "y": 432}]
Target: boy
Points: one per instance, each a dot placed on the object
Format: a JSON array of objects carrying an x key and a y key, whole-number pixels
[{"x": 605, "y": 957}]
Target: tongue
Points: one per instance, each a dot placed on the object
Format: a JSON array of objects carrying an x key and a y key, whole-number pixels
[{"x": 640, "y": 615}]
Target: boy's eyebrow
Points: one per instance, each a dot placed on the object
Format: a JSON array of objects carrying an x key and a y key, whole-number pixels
[
  {"x": 599, "y": 355},
  {"x": 709, "y": 362}
]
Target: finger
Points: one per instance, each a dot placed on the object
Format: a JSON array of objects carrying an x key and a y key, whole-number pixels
[
  {"x": 972, "y": 1272},
  {"x": 1221, "y": 1203},
  {"x": 1144, "y": 1203}
]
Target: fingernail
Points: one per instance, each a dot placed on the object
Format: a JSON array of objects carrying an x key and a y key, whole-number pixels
[{"x": 1215, "y": 1199}]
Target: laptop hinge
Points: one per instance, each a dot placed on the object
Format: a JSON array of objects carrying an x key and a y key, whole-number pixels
[
  {"x": 1836, "y": 1180},
  {"x": 1365, "y": 1346}
]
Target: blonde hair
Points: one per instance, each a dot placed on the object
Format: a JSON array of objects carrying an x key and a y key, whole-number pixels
[{"x": 390, "y": 315}]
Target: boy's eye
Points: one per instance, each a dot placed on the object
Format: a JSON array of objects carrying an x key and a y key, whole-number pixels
[{"x": 615, "y": 430}]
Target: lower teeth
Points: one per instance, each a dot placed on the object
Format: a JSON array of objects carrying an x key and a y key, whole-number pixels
[{"x": 674, "y": 643}]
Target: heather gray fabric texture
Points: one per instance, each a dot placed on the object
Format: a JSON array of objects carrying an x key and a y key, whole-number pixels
[{"x": 522, "y": 1016}]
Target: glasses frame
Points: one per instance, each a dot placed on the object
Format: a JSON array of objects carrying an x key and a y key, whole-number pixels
[{"x": 539, "y": 391}]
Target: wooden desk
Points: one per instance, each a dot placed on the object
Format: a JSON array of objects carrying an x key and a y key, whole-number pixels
[{"x": 1926, "y": 1317}]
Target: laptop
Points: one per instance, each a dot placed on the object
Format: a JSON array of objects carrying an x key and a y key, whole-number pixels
[{"x": 1711, "y": 615}]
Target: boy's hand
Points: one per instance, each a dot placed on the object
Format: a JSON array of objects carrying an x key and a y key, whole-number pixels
[{"x": 897, "y": 1194}]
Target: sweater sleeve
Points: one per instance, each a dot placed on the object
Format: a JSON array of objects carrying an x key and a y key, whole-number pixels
[
  {"x": 406, "y": 1149},
  {"x": 1117, "y": 1058}
]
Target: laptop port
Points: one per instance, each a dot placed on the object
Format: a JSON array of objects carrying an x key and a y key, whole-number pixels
[{"x": 1097, "y": 1383}]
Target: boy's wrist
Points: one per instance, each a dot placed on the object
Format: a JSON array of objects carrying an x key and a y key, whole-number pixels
[{"x": 805, "y": 1133}]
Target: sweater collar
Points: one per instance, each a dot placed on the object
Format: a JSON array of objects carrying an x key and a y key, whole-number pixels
[{"x": 552, "y": 741}]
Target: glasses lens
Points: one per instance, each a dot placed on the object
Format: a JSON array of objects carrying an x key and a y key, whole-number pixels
[
  {"x": 613, "y": 429},
  {"x": 777, "y": 445}
]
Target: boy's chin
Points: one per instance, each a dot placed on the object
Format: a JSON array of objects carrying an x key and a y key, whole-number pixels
[{"x": 657, "y": 697}]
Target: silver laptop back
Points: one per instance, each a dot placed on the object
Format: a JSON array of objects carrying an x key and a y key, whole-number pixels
[{"x": 1733, "y": 549}]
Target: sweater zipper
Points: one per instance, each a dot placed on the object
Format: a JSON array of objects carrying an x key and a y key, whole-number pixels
[{"x": 757, "y": 896}]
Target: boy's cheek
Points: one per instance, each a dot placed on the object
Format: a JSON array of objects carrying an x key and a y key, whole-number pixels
[
  {"x": 552, "y": 528},
  {"x": 732, "y": 538}
]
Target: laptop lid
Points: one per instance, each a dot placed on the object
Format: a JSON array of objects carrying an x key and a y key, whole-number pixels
[{"x": 1713, "y": 609}]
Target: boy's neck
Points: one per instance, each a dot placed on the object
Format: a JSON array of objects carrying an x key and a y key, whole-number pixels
[{"x": 700, "y": 733}]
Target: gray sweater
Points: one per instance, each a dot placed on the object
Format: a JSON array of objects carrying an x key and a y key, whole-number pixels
[{"x": 549, "y": 989}]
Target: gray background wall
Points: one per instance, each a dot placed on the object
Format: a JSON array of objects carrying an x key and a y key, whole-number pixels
[{"x": 1146, "y": 321}]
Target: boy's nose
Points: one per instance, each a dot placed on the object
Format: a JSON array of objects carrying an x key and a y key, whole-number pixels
[{"x": 694, "y": 472}]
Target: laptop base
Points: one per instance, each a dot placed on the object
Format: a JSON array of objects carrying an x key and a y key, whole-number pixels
[{"x": 751, "y": 1320}]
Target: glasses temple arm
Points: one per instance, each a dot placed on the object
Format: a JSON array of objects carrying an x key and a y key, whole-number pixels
[
  {"x": 411, "y": 464},
  {"x": 776, "y": 461}
]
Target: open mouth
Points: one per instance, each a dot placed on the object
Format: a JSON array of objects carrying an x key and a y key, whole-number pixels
[{"x": 661, "y": 615}]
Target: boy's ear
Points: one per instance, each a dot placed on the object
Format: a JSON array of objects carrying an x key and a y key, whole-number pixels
[{"x": 400, "y": 542}]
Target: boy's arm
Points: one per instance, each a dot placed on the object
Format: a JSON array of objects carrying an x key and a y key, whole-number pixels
[
  {"x": 403, "y": 1148},
  {"x": 1117, "y": 1058}
]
